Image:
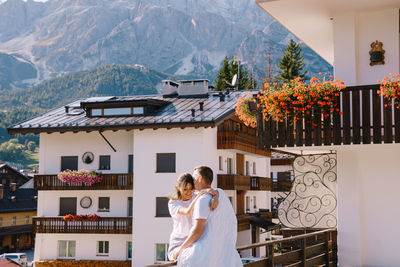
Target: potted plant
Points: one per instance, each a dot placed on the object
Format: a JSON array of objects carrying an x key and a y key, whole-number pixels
[
  {"x": 77, "y": 177},
  {"x": 245, "y": 110},
  {"x": 296, "y": 98},
  {"x": 81, "y": 218},
  {"x": 390, "y": 89}
]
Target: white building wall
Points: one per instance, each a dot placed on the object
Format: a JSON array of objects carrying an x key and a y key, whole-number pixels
[
  {"x": 368, "y": 199},
  {"x": 368, "y": 203},
  {"x": 55, "y": 145},
  {"x": 244, "y": 238},
  {"x": 353, "y": 34},
  {"x": 193, "y": 147},
  {"x": 46, "y": 246},
  {"x": 49, "y": 202}
]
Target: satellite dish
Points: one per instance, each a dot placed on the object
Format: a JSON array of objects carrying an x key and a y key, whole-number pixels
[{"x": 234, "y": 80}]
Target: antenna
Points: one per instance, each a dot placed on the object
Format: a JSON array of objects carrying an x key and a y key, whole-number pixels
[{"x": 234, "y": 80}]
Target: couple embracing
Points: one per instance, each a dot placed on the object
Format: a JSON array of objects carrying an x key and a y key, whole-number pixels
[{"x": 205, "y": 227}]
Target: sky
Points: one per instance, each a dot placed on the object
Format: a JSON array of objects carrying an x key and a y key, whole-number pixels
[{"x": 2, "y": 1}]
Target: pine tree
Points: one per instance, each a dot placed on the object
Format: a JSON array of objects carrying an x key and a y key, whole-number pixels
[
  {"x": 223, "y": 75},
  {"x": 291, "y": 64},
  {"x": 226, "y": 73}
]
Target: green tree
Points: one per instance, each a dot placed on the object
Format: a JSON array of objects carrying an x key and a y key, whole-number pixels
[
  {"x": 291, "y": 64},
  {"x": 226, "y": 73}
]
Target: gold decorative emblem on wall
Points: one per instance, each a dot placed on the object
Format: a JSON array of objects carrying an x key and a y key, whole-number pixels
[{"x": 377, "y": 54}]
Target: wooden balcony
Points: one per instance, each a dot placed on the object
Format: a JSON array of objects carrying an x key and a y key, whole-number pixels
[
  {"x": 243, "y": 220},
  {"x": 242, "y": 182},
  {"x": 261, "y": 183},
  {"x": 281, "y": 186},
  {"x": 107, "y": 225},
  {"x": 239, "y": 141},
  {"x": 365, "y": 120},
  {"x": 115, "y": 181},
  {"x": 312, "y": 249}
]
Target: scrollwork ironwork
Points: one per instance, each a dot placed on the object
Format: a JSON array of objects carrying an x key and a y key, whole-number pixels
[{"x": 312, "y": 202}]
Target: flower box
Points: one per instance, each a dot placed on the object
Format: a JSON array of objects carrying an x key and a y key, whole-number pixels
[
  {"x": 81, "y": 218},
  {"x": 77, "y": 177}
]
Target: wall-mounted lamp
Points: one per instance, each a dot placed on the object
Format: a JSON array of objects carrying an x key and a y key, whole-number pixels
[{"x": 377, "y": 54}]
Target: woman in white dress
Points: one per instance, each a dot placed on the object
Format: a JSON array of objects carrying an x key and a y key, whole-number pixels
[{"x": 181, "y": 207}]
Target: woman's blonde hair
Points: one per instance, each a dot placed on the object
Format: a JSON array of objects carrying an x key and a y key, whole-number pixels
[{"x": 183, "y": 180}]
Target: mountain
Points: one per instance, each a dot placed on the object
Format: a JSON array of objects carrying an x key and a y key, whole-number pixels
[
  {"x": 173, "y": 36},
  {"x": 106, "y": 80},
  {"x": 15, "y": 71}
]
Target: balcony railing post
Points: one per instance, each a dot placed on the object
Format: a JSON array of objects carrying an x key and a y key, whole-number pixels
[
  {"x": 303, "y": 252},
  {"x": 327, "y": 239}
]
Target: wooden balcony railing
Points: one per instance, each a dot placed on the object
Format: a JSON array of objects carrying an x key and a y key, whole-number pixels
[
  {"x": 239, "y": 141},
  {"x": 233, "y": 182},
  {"x": 242, "y": 182},
  {"x": 114, "y": 181},
  {"x": 243, "y": 220},
  {"x": 281, "y": 186},
  {"x": 261, "y": 183},
  {"x": 312, "y": 249},
  {"x": 365, "y": 120},
  {"x": 105, "y": 225}
]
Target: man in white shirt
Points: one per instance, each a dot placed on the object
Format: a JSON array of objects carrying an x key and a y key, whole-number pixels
[{"x": 212, "y": 239}]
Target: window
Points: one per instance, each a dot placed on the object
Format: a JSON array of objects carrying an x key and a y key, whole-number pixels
[
  {"x": 229, "y": 163},
  {"x": 130, "y": 163},
  {"x": 162, "y": 207},
  {"x": 247, "y": 168},
  {"x": 254, "y": 168},
  {"x": 67, "y": 206},
  {"x": 247, "y": 204},
  {"x": 161, "y": 252},
  {"x": 14, "y": 220},
  {"x": 129, "y": 250},
  {"x": 69, "y": 163},
  {"x": 1, "y": 221},
  {"x": 102, "y": 248},
  {"x": 26, "y": 219},
  {"x": 138, "y": 110},
  {"x": 104, "y": 204},
  {"x": 254, "y": 202},
  {"x": 166, "y": 162},
  {"x": 220, "y": 163},
  {"x": 117, "y": 111},
  {"x": 130, "y": 207},
  {"x": 104, "y": 162},
  {"x": 96, "y": 112},
  {"x": 66, "y": 249}
]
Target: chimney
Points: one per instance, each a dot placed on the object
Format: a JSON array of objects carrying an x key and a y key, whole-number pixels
[
  {"x": 193, "y": 110},
  {"x": 221, "y": 97},
  {"x": 169, "y": 87},
  {"x": 1, "y": 192},
  {"x": 190, "y": 88},
  {"x": 201, "y": 106},
  {"x": 13, "y": 187},
  {"x": 66, "y": 109}
]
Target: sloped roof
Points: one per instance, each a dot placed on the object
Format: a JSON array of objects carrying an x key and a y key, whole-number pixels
[
  {"x": 24, "y": 200},
  {"x": 176, "y": 112},
  {"x": 16, "y": 172}
]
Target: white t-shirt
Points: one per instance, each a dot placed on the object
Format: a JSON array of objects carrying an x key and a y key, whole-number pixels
[
  {"x": 182, "y": 223},
  {"x": 201, "y": 208}
]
